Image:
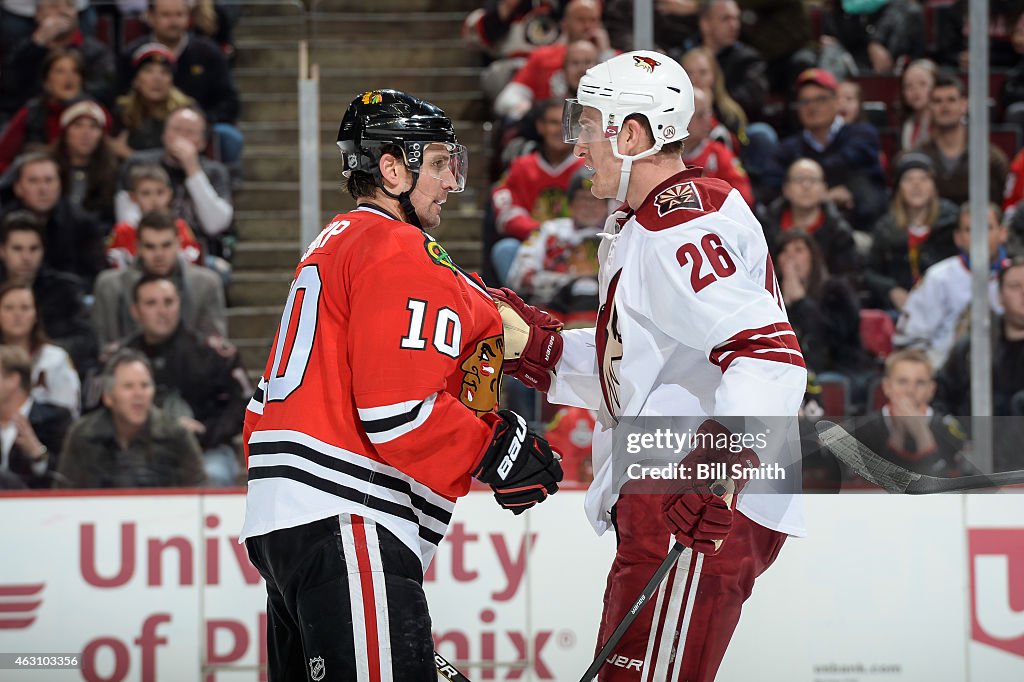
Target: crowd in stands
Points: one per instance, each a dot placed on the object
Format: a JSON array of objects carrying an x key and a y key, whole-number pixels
[
  {"x": 118, "y": 158},
  {"x": 844, "y": 126}
]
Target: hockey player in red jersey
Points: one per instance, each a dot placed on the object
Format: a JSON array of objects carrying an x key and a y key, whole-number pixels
[
  {"x": 376, "y": 408},
  {"x": 690, "y": 325}
]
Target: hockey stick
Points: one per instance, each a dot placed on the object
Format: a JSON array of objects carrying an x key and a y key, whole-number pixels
[
  {"x": 627, "y": 620},
  {"x": 446, "y": 670},
  {"x": 895, "y": 478},
  {"x": 724, "y": 490}
]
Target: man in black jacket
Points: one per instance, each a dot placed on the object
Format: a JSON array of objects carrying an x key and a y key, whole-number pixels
[
  {"x": 745, "y": 70},
  {"x": 73, "y": 239},
  {"x": 199, "y": 380},
  {"x": 34, "y": 429},
  {"x": 60, "y": 296}
]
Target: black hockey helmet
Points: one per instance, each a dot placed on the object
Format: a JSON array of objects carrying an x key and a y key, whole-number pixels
[
  {"x": 378, "y": 118},
  {"x": 391, "y": 117}
]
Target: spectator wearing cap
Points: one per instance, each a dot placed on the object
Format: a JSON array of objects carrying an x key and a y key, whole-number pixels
[
  {"x": 202, "y": 186},
  {"x": 87, "y": 159},
  {"x": 556, "y": 267},
  {"x": 933, "y": 308},
  {"x": 847, "y": 152},
  {"x": 202, "y": 70},
  {"x": 913, "y": 235},
  {"x": 72, "y": 238},
  {"x": 711, "y": 155},
  {"x": 947, "y": 147},
  {"x": 56, "y": 28},
  {"x": 142, "y": 112},
  {"x": 37, "y": 124},
  {"x": 60, "y": 295},
  {"x": 805, "y": 206}
]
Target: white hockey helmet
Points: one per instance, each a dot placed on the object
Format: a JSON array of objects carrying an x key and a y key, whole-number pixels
[{"x": 641, "y": 82}]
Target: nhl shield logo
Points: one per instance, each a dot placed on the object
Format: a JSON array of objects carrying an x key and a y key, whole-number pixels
[
  {"x": 317, "y": 669},
  {"x": 683, "y": 195}
]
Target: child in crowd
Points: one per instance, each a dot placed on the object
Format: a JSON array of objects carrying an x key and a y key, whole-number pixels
[{"x": 150, "y": 188}]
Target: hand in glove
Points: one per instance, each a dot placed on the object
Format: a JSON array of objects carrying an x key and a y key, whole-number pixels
[
  {"x": 518, "y": 464},
  {"x": 700, "y": 515},
  {"x": 533, "y": 342}
]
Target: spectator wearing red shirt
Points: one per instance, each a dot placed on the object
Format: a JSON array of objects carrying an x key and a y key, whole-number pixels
[
  {"x": 149, "y": 188},
  {"x": 582, "y": 21},
  {"x": 38, "y": 122},
  {"x": 534, "y": 188},
  {"x": 517, "y": 97}
]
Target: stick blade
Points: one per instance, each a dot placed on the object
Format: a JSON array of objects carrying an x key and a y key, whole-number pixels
[{"x": 863, "y": 461}]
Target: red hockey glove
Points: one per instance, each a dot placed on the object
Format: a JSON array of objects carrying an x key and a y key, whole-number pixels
[
  {"x": 518, "y": 464},
  {"x": 700, "y": 515},
  {"x": 533, "y": 343}
]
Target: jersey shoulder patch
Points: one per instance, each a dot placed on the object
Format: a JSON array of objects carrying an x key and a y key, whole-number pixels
[{"x": 681, "y": 199}]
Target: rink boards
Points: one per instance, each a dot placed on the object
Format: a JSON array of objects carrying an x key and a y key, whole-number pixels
[{"x": 149, "y": 587}]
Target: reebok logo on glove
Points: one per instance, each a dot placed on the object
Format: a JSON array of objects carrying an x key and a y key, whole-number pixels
[{"x": 513, "y": 449}]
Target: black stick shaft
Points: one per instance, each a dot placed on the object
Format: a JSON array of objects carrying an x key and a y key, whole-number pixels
[{"x": 627, "y": 620}]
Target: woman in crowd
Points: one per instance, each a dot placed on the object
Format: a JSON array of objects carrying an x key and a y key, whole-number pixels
[
  {"x": 916, "y": 87},
  {"x": 38, "y": 122},
  {"x": 88, "y": 163},
  {"x": 916, "y": 233},
  {"x": 54, "y": 379},
  {"x": 142, "y": 112},
  {"x": 702, "y": 68},
  {"x": 822, "y": 309}
]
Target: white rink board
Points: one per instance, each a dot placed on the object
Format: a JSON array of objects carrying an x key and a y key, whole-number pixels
[{"x": 882, "y": 581}]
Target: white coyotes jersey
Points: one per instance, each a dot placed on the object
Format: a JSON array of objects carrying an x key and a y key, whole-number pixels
[{"x": 691, "y": 323}]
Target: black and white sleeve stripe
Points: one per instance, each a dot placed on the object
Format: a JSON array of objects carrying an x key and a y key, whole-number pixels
[
  {"x": 256, "y": 401},
  {"x": 388, "y": 422}
]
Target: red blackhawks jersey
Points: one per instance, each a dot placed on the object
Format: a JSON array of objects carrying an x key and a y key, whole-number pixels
[
  {"x": 531, "y": 192},
  {"x": 691, "y": 323},
  {"x": 385, "y": 360}
]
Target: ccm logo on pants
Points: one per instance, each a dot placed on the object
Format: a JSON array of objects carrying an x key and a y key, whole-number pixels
[{"x": 624, "y": 662}]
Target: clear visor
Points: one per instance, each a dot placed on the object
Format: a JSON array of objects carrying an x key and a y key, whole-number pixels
[
  {"x": 576, "y": 127},
  {"x": 448, "y": 163}
]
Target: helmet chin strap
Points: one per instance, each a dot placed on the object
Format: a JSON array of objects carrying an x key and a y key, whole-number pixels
[
  {"x": 405, "y": 202},
  {"x": 627, "y": 167}
]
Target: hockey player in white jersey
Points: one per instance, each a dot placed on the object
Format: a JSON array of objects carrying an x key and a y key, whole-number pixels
[{"x": 691, "y": 323}]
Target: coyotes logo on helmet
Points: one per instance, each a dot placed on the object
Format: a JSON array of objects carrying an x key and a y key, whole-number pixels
[
  {"x": 645, "y": 63},
  {"x": 683, "y": 195},
  {"x": 372, "y": 97}
]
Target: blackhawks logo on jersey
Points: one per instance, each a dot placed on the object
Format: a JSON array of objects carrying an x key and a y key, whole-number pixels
[
  {"x": 438, "y": 254},
  {"x": 481, "y": 382},
  {"x": 372, "y": 97},
  {"x": 683, "y": 195}
]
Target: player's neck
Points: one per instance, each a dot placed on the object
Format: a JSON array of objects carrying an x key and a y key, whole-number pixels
[
  {"x": 648, "y": 173},
  {"x": 383, "y": 201}
]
